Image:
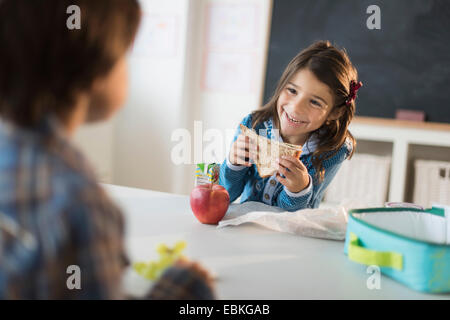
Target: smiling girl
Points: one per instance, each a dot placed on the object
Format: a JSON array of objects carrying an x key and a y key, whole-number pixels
[
  {"x": 312, "y": 106},
  {"x": 54, "y": 215}
]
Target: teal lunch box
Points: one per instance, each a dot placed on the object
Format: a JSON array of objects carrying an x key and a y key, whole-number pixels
[{"x": 409, "y": 245}]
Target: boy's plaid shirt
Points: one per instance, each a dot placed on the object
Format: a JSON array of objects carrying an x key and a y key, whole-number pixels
[{"x": 54, "y": 214}]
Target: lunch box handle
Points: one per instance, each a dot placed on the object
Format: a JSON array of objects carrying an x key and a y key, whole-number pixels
[{"x": 362, "y": 255}]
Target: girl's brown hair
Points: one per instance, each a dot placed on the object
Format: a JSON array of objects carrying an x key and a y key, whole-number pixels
[
  {"x": 44, "y": 65},
  {"x": 331, "y": 66}
]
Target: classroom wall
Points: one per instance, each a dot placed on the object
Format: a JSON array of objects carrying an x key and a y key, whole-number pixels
[
  {"x": 165, "y": 93},
  {"x": 154, "y": 108}
]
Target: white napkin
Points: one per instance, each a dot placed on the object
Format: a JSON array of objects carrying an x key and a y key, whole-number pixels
[{"x": 326, "y": 223}]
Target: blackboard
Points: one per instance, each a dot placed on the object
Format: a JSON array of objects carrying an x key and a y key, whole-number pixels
[{"x": 403, "y": 65}]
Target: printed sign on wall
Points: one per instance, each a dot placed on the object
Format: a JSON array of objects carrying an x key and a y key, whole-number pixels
[{"x": 231, "y": 48}]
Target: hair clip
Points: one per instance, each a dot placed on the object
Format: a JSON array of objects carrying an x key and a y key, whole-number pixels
[{"x": 354, "y": 87}]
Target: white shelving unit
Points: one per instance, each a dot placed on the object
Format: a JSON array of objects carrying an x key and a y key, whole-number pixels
[{"x": 402, "y": 137}]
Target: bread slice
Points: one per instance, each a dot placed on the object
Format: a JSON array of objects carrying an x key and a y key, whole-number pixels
[{"x": 269, "y": 151}]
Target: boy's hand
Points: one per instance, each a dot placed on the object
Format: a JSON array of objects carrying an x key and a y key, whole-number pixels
[
  {"x": 197, "y": 269},
  {"x": 296, "y": 175},
  {"x": 243, "y": 150}
]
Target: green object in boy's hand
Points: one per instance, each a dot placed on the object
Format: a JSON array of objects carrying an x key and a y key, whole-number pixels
[{"x": 152, "y": 270}]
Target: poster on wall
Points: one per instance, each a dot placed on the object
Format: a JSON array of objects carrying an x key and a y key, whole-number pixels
[{"x": 231, "y": 48}]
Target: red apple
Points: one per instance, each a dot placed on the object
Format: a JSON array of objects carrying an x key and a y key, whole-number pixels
[{"x": 209, "y": 202}]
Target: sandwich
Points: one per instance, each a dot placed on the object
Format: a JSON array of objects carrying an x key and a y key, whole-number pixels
[{"x": 269, "y": 151}]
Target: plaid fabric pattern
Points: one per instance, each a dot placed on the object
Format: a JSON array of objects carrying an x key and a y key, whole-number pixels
[{"x": 54, "y": 214}]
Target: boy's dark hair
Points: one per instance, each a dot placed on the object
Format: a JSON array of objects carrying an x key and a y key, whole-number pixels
[{"x": 44, "y": 65}]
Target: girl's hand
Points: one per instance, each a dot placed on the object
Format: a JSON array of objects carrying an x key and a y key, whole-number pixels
[
  {"x": 297, "y": 178},
  {"x": 243, "y": 150}
]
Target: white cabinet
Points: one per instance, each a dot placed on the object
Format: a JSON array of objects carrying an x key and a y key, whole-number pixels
[{"x": 405, "y": 142}]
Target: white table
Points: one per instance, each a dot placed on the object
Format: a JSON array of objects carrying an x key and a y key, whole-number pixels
[{"x": 251, "y": 262}]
